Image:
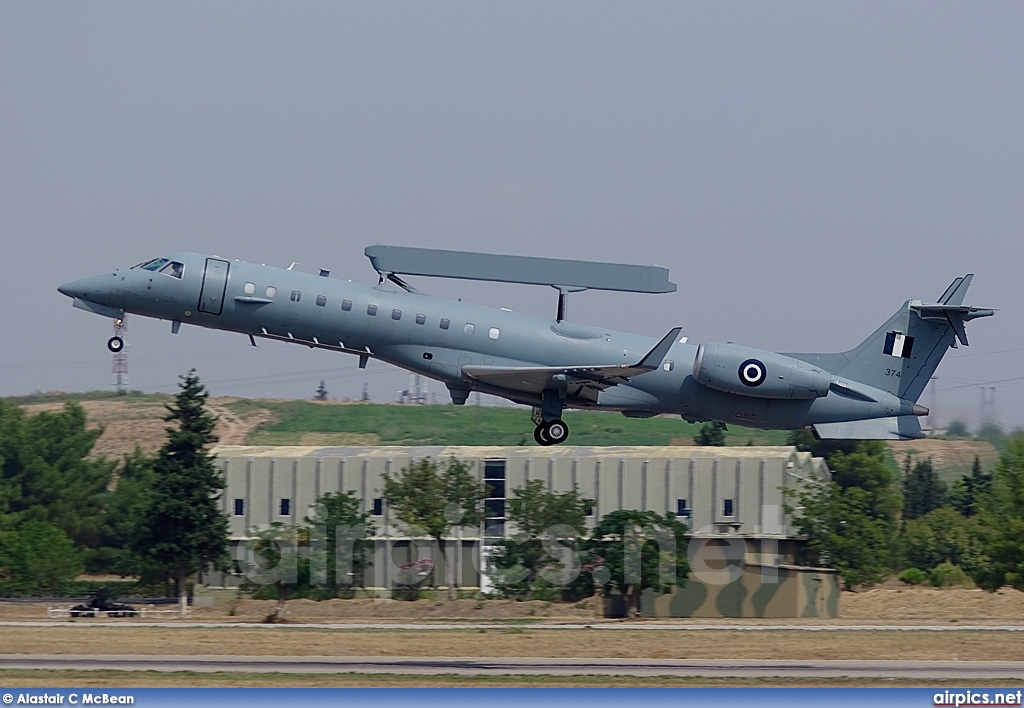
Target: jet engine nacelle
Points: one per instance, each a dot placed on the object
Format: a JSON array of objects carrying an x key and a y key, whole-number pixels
[{"x": 758, "y": 373}]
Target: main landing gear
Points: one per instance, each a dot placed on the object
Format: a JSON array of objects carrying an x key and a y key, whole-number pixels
[{"x": 551, "y": 432}]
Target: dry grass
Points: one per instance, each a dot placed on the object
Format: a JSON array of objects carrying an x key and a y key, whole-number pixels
[
  {"x": 951, "y": 458},
  {"x": 128, "y": 423},
  {"x": 187, "y": 679},
  {"x": 517, "y": 642},
  {"x": 933, "y": 605}
]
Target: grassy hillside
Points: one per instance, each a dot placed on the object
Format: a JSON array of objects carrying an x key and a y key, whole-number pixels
[{"x": 306, "y": 422}]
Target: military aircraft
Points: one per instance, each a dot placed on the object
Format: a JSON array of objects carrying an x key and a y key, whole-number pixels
[{"x": 868, "y": 392}]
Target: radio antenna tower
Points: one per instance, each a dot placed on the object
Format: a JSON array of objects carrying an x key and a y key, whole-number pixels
[{"x": 119, "y": 367}]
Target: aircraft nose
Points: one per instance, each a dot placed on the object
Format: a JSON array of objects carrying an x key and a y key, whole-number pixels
[
  {"x": 97, "y": 288},
  {"x": 74, "y": 288}
]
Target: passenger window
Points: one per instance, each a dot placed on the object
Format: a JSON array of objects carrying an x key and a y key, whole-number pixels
[
  {"x": 321, "y": 300},
  {"x": 668, "y": 365},
  {"x": 469, "y": 328},
  {"x": 371, "y": 310},
  {"x": 346, "y": 305},
  {"x": 421, "y": 318},
  {"x": 494, "y": 333},
  {"x": 249, "y": 288},
  {"x": 271, "y": 292},
  {"x": 396, "y": 314},
  {"x": 445, "y": 322},
  {"x": 173, "y": 269},
  {"x": 296, "y": 296}
]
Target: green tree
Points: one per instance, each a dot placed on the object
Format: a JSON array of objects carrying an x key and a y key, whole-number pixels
[
  {"x": 634, "y": 550},
  {"x": 340, "y": 547},
  {"x": 944, "y": 535},
  {"x": 40, "y": 558},
  {"x": 125, "y": 508},
  {"x": 436, "y": 498},
  {"x": 850, "y": 522},
  {"x": 710, "y": 434},
  {"x": 545, "y": 548},
  {"x": 184, "y": 529},
  {"x": 922, "y": 490},
  {"x": 1003, "y": 514},
  {"x": 278, "y": 563},
  {"x": 45, "y": 473}
]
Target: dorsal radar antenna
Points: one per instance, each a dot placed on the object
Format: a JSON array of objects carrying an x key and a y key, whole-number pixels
[{"x": 566, "y": 276}]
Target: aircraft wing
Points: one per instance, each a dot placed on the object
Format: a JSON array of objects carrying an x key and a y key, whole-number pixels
[{"x": 535, "y": 379}]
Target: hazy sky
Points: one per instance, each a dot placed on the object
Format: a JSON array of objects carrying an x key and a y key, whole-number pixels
[{"x": 801, "y": 168}]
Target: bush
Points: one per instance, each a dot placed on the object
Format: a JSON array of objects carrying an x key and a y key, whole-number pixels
[
  {"x": 913, "y": 576},
  {"x": 947, "y": 575}
]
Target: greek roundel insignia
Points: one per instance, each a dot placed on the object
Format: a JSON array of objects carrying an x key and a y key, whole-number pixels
[
  {"x": 898, "y": 344},
  {"x": 752, "y": 373}
]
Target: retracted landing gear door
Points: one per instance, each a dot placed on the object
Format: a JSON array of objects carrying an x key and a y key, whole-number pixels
[{"x": 215, "y": 282}]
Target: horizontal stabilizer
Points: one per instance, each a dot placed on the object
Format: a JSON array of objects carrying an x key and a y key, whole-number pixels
[
  {"x": 527, "y": 270},
  {"x": 904, "y": 427}
]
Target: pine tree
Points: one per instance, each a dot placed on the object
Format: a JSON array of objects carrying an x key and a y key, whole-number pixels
[
  {"x": 710, "y": 434},
  {"x": 923, "y": 491},
  {"x": 184, "y": 529},
  {"x": 321, "y": 392}
]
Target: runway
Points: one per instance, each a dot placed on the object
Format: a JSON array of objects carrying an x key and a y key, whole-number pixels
[
  {"x": 530, "y": 626},
  {"x": 706, "y": 668}
]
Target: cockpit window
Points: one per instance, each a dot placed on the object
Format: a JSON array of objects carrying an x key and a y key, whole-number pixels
[
  {"x": 173, "y": 269},
  {"x": 154, "y": 264}
]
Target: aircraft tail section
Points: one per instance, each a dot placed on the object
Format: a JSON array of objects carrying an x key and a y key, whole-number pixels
[{"x": 901, "y": 355}]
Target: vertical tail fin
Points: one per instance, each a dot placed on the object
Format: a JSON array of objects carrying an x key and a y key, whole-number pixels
[{"x": 901, "y": 355}]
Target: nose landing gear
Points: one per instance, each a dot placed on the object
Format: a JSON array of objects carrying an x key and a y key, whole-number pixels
[{"x": 115, "y": 344}]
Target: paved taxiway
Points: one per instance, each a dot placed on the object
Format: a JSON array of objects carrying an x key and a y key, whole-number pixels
[{"x": 721, "y": 668}]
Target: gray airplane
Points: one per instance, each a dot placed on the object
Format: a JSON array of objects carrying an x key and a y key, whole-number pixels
[{"x": 868, "y": 392}]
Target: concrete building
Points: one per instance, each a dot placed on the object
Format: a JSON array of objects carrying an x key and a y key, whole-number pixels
[{"x": 732, "y": 498}]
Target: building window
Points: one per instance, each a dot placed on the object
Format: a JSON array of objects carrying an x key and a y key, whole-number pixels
[
  {"x": 378, "y": 507},
  {"x": 396, "y": 314},
  {"x": 727, "y": 509},
  {"x": 286, "y": 507},
  {"x": 346, "y": 305},
  {"x": 421, "y": 318},
  {"x": 668, "y": 365},
  {"x": 588, "y": 510},
  {"x": 239, "y": 507},
  {"x": 494, "y": 333},
  {"x": 321, "y": 300},
  {"x": 494, "y": 504},
  {"x": 249, "y": 288},
  {"x": 271, "y": 292},
  {"x": 681, "y": 508},
  {"x": 445, "y": 323},
  {"x": 371, "y": 310},
  {"x": 296, "y": 296},
  {"x": 469, "y": 328}
]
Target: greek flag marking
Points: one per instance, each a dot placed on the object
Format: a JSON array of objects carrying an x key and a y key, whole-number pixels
[{"x": 898, "y": 344}]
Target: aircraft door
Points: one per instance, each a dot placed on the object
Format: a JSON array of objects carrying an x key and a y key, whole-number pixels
[{"x": 215, "y": 283}]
